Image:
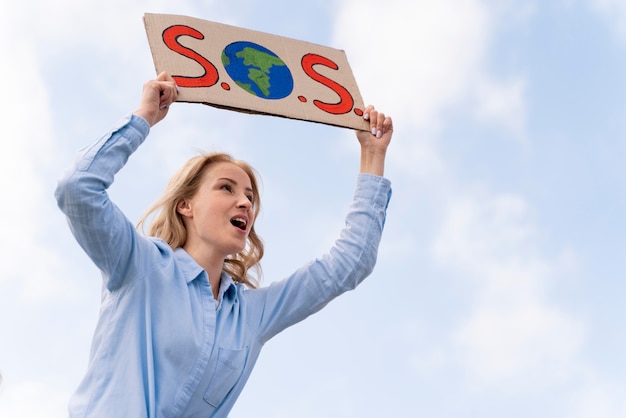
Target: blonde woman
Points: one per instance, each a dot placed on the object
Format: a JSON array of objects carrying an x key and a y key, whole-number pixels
[{"x": 182, "y": 321}]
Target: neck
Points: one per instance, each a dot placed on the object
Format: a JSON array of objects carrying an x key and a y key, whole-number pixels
[{"x": 212, "y": 264}]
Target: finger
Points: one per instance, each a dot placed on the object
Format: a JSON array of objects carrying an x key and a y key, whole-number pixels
[
  {"x": 366, "y": 112},
  {"x": 168, "y": 93},
  {"x": 380, "y": 120},
  {"x": 164, "y": 76},
  {"x": 373, "y": 118},
  {"x": 387, "y": 124}
]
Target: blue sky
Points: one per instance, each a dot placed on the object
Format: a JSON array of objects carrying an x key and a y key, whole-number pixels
[{"x": 499, "y": 286}]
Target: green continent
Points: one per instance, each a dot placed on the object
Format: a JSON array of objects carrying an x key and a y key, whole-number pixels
[
  {"x": 261, "y": 79},
  {"x": 259, "y": 59},
  {"x": 259, "y": 64}
]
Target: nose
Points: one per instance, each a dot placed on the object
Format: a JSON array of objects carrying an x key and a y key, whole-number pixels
[{"x": 244, "y": 202}]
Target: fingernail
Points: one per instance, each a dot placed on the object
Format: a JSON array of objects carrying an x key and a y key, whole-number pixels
[
  {"x": 379, "y": 134},
  {"x": 373, "y": 131},
  {"x": 366, "y": 116},
  {"x": 163, "y": 107},
  {"x": 177, "y": 89}
]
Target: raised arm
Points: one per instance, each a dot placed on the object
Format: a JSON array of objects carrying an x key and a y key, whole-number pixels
[
  {"x": 98, "y": 225},
  {"x": 353, "y": 256}
]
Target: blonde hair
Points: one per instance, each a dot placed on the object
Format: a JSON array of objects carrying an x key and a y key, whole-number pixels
[{"x": 168, "y": 225}]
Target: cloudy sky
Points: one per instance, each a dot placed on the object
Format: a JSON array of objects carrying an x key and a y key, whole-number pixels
[{"x": 500, "y": 283}]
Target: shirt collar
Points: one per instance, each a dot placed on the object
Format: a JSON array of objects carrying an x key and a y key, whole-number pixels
[
  {"x": 227, "y": 286},
  {"x": 191, "y": 270}
]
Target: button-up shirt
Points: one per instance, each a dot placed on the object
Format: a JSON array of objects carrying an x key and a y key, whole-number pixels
[{"x": 162, "y": 346}]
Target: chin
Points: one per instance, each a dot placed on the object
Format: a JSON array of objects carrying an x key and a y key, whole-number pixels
[{"x": 237, "y": 250}]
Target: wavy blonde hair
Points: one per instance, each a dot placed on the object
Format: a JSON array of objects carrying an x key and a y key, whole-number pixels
[{"x": 168, "y": 225}]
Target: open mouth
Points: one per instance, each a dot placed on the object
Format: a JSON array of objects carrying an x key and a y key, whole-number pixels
[{"x": 240, "y": 223}]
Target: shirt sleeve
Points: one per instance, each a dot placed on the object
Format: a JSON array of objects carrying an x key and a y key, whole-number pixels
[
  {"x": 344, "y": 267},
  {"x": 99, "y": 226}
]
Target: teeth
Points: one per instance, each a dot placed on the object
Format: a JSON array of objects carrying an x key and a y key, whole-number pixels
[{"x": 239, "y": 223}]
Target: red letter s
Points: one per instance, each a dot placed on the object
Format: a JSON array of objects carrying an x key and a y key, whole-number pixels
[
  {"x": 345, "y": 98},
  {"x": 170, "y": 38}
]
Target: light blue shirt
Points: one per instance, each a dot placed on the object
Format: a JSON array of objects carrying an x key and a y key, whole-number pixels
[{"x": 162, "y": 346}]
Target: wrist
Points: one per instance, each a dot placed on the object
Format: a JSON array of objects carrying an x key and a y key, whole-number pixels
[
  {"x": 372, "y": 162},
  {"x": 145, "y": 115}
]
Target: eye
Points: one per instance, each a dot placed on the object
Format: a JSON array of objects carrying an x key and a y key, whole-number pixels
[
  {"x": 250, "y": 198},
  {"x": 227, "y": 187}
]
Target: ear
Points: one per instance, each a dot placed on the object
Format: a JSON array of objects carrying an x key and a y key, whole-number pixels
[{"x": 184, "y": 208}]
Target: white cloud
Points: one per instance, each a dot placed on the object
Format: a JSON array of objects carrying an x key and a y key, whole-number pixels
[
  {"x": 503, "y": 104},
  {"x": 29, "y": 272},
  {"x": 614, "y": 11},
  {"x": 27, "y": 149},
  {"x": 599, "y": 399},
  {"x": 415, "y": 60},
  {"x": 528, "y": 345},
  {"x": 32, "y": 399},
  {"x": 512, "y": 332},
  {"x": 414, "y": 57},
  {"x": 78, "y": 23}
]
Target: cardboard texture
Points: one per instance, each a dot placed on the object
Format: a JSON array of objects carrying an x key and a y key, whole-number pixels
[{"x": 255, "y": 72}]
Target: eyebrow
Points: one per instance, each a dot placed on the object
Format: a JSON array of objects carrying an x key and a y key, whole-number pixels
[{"x": 229, "y": 180}]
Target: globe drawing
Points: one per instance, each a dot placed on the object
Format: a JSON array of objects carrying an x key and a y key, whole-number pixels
[{"x": 257, "y": 70}]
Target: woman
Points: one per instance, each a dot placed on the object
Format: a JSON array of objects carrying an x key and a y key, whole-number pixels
[{"x": 181, "y": 323}]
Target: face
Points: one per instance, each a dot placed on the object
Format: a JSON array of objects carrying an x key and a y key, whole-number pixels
[{"x": 218, "y": 218}]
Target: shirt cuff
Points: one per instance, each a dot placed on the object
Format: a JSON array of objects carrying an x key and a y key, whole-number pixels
[{"x": 374, "y": 188}]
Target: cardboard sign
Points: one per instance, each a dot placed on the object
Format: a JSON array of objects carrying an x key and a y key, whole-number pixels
[{"x": 255, "y": 72}]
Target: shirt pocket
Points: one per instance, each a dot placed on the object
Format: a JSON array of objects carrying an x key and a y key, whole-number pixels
[{"x": 228, "y": 369}]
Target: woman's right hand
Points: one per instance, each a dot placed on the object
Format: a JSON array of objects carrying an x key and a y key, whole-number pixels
[{"x": 157, "y": 96}]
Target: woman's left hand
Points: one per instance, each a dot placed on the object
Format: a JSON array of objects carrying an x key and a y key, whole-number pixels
[{"x": 374, "y": 143}]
